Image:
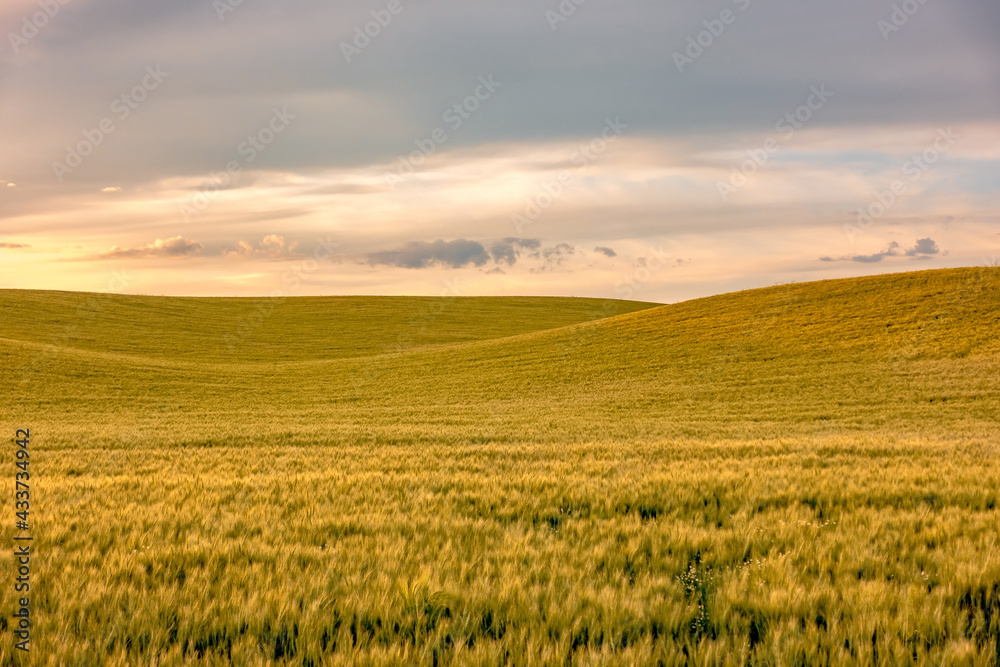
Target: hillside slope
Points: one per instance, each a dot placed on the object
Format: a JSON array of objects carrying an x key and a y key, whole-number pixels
[
  {"x": 806, "y": 474},
  {"x": 917, "y": 353},
  {"x": 282, "y": 329}
]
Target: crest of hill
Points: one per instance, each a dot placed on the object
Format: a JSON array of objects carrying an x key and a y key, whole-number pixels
[
  {"x": 949, "y": 313},
  {"x": 938, "y": 314},
  {"x": 899, "y": 352},
  {"x": 285, "y": 329}
]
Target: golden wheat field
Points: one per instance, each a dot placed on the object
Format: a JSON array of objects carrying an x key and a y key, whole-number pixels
[{"x": 802, "y": 474}]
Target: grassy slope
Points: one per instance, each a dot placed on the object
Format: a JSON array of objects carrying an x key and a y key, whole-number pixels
[
  {"x": 236, "y": 330},
  {"x": 911, "y": 352},
  {"x": 731, "y": 476}
]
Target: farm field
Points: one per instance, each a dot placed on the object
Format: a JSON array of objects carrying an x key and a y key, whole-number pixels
[{"x": 801, "y": 474}]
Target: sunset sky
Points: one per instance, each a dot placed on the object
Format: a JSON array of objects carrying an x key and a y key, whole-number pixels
[{"x": 630, "y": 149}]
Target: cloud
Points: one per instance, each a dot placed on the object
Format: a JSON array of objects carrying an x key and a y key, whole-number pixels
[
  {"x": 924, "y": 249},
  {"x": 271, "y": 246},
  {"x": 13, "y": 245},
  {"x": 408, "y": 82},
  {"x": 175, "y": 247},
  {"x": 421, "y": 254},
  {"x": 111, "y": 189},
  {"x": 463, "y": 252},
  {"x": 607, "y": 252},
  {"x": 509, "y": 249},
  {"x": 552, "y": 257},
  {"x": 891, "y": 251},
  {"x": 555, "y": 253}
]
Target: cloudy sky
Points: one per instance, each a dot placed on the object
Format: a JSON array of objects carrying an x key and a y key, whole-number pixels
[{"x": 612, "y": 148}]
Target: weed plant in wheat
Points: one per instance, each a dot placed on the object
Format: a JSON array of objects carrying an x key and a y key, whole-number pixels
[{"x": 803, "y": 474}]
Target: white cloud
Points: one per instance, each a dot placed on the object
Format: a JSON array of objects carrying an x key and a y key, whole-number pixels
[
  {"x": 271, "y": 246},
  {"x": 177, "y": 247}
]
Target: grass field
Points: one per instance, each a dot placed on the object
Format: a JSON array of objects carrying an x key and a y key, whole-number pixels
[{"x": 801, "y": 474}]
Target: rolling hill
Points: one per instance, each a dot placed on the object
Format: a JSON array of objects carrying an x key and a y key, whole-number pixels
[
  {"x": 804, "y": 473},
  {"x": 912, "y": 351}
]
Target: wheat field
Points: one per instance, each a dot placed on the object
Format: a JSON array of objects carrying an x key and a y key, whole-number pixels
[{"x": 795, "y": 475}]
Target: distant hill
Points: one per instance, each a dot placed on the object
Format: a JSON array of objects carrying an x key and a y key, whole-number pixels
[
  {"x": 917, "y": 352},
  {"x": 805, "y": 474},
  {"x": 289, "y": 329}
]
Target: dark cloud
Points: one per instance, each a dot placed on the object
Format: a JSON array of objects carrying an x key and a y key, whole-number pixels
[
  {"x": 891, "y": 251},
  {"x": 529, "y": 244},
  {"x": 924, "y": 249},
  {"x": 509, "y": 249},
  {"x": 175, "y": 247},
  {"x": 503, "y": 252},
  {"x": 13, "y": 245},
  {"x": 551, "y": 257},
  {"x": 420, "y": 254},
  {"x": 555, "y": 253},
  {"x": 944, "y": 65},
  {"x": 608, "y": 252},
  {"x": 463, "y": 252}
]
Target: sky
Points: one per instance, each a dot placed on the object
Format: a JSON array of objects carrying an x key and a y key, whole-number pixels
[{"x": 639, "y": 149}]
